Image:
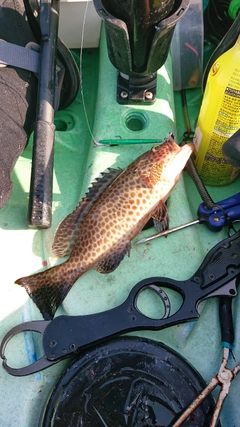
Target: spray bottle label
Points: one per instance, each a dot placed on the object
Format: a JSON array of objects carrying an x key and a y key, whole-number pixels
[{"x": 216, "y": 126}]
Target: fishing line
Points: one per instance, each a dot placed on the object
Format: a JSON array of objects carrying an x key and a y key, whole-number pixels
[{"x": 81, "y": 74}]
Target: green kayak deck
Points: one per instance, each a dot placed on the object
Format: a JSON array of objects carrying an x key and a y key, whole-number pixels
[{"x": 77, "y": 162}]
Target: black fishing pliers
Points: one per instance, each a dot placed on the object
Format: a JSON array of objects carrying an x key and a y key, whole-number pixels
[{"x": 65, "y": 336}]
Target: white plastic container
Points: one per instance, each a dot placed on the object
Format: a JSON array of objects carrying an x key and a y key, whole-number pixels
[{"x": 71, "y": 19}]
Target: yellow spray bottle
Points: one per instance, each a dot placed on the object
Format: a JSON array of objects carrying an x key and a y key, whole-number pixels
[{"x": 219, "y": 118}]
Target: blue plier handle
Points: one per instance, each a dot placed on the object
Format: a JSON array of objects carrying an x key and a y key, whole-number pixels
[{"x": 222, "y": 212}]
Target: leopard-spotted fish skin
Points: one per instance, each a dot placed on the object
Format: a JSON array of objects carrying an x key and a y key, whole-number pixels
[{"x": 99, "y": 231}]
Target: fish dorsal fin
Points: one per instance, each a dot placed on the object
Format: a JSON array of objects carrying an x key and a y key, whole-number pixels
[{"x": 68, "y": 229}]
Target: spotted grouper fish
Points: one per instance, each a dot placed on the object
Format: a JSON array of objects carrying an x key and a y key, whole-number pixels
[{"x": 99, "y": 231}]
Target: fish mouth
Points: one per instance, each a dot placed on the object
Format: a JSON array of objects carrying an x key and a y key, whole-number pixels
[
  {"x": 187, "y": 149},
  {"x": 180, "y": 159}
]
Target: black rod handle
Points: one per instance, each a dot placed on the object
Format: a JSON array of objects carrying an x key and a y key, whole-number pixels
[{"x": 40, "y": 198}]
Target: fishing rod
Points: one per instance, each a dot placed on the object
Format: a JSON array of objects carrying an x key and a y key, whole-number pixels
[{"x": 40, "y": 197}]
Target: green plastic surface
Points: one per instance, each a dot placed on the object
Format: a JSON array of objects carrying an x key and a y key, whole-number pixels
[
  {"x": 233, "y": 8},
  {"x": 77, "y": 162}
]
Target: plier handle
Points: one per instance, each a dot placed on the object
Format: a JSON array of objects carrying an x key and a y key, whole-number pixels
[
  {"x": 224, "y": 212},
  {"x": 227, "y": 210},
  {"x": 225, "y": 375},
  {"x": 223, "y": 378}
]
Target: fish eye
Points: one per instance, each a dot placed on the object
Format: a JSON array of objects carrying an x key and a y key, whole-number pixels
[{"x": 155, "y": 148}]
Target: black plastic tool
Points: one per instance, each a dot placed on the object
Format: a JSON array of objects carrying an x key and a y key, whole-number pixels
[
  {"x": 64, "y": 336},
  {"x": 231, "y": 149},
  {"x": 138, "y": 37},
  {"x": 226, "y": 321}
]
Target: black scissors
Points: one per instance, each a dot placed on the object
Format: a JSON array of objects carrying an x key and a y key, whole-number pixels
[{"x": 65, "y": 336}]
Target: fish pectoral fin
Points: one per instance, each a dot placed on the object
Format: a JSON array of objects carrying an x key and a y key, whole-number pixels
[
  {"x": 111, "y": 262},
  {"x": 161, "y": 218}
]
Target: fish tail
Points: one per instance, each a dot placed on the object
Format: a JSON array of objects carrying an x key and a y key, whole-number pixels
[{"x": 48, "y": 289}]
